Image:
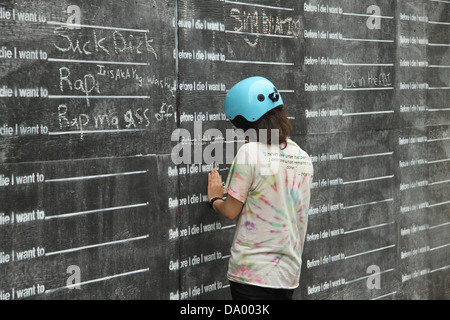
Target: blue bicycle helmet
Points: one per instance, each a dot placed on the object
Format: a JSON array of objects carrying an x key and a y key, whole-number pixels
[{"x": 251, "y": 98}]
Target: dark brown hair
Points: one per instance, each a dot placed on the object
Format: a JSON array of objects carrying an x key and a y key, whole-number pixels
[{"x": 275, "y": 119}]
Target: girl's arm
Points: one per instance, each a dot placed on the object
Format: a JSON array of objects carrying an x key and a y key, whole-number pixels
[{"x": 229, "y": 208}]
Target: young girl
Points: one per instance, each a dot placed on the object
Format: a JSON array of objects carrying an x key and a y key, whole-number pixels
[{"x": 268, "y": 187}]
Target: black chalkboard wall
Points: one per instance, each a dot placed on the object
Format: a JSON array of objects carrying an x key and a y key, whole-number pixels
[{"x": 91, "y": 92}]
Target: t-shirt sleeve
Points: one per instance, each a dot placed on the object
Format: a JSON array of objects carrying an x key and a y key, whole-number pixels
[{"x": 240, "y": 177}]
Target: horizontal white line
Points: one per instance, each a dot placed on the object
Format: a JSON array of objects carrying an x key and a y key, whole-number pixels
[
  {"x": 226, "y": 257},
  {"x": 369, "y": 155},
  {"x": 439, "y": 225},
  {"x": 368, "y": 89},
  {"x": 370, "y": 251},
  {"x": 440, "y": 247},
  {"x": 367, "y": 204},
  {"x": 370, "y": 227},
  {"x": 438, "y": 161},
  {"x": 74, "y": 214},
  {"x": 438, "y": 182},
  {"x": 56, "y": 133},
  {"x": 443, "y": 1},
  {"x": 52, "y": 96},
  {"x": 98, "y": 280},
  {"x": 385, "y": 295},
  {"x": 96, "y": 245},
  {"x": 370, "y": 275},
  {"x": 258, "y": 5},
  {"x": 230, "y": 226},
  {"x": 261, "y": 62},
  {"x": 439, "y": 44},
  {"x": 369, "y": 179},
  {"x": 439, "y": 22},
  {"x": 438, "y": 88},
  {"x": 367, "y": 40},
  {"x": 286, "y": 91},
  {"x": 98, "y": 62},
  {"x": 97, "y": 176},
  {"x": 438, "y": 139},
  {"x": 260, "y": 34},
  {"x": 57, "y": 23},
  {"x": 366, "y": 15},
  {"x": 435, "y": 110},
  {"x": 437, "y": 66},
  {"x": 438, "y": 204},
  {"x": 369, "y": 64},
  {"x": 440, "y": 269},
  {"x": 366, "y": 113}
]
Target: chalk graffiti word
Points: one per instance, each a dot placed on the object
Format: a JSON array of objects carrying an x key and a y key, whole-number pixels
[
  {"x": 120, "y": 74},
  {"x": 112, "y": 43},
  {"x": 87, "y": 84},
  {"x": 258, "y": 22},
  {"x": 132, "y": 118},
  {"x": 381, "y": 79}
]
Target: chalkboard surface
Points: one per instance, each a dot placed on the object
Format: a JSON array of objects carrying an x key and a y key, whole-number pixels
[{"x": 96, "y": 99}]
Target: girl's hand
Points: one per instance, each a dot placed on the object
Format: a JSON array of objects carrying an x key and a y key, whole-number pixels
[{"x": 215, "y": 186}]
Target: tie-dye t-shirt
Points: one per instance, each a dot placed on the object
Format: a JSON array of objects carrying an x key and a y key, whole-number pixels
[{"x": 274, "y": 184}]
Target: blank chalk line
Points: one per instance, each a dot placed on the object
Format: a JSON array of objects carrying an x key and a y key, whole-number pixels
[
  {"x": 438, "y": 139},
  {"x": 438, "y": 88},
  {"x": 261, "y": 62},
  {"x": 440, "y": 269},
  {"x": 64, "y": 24},
  {"x": 369, "y": 64},
  {"x": 98, "y": 280},
  {"x": 369, "y": 227},
  {"x": 438, "y": 182},
  {"x": 366, "y": 15},
  {"x": 74, "y": 214},
  {"x": 368, "y": 40},
  {"x": 369, "y": 179},
  {"x": 439, "y": 225},
  {"x": 370, "y": 275},
  {"x": 438, "y": 204},
  {"x": 96, "y": 245},
  {"x": 367, "y": 204},
  {"x": 439, "y": 22},
  {"x": 438, "y": 44},
  {"x": 369, "y": 251},
  {"x": 438, "y": 66},
  {"x": 368, "y": 89},
  {"x": 437, "y": 110},
  {"x": 438, "y": 161},
  {"x": 259, "y": 5},
  {"x": 442, "y": 1},
  {"x": 98, "y": 62},
  {"x": 440, "y": 247},
  {"x": 98, "y": 176},
  {"x": 366, "y": 113},
  {"x": 228, "y": 227},
  {"x": 385, "y": 295},
  {"x": 369, "y": 155}
]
